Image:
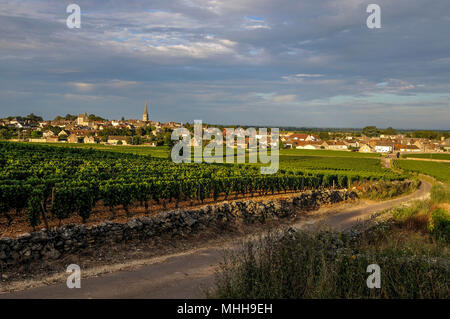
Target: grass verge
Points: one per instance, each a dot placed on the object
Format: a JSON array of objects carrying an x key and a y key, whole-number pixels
[{"x": 410, "y": 245}]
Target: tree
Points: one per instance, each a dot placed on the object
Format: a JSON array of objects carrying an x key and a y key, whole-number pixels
[
  {"x": 36, "y": 134},
  {"x": 34, "y": 118},
  {"x": 95, "y": 118},
  {"x": 323, "y": 136},
  {"x": 389, "y": 131},
  {"x": 140, "y": 131},
  {"x": 426, "y": 134},
  {"x": 55, "y": 130},
  {"x": 371, "y": 131},
  {"x": 168, "y": 139},
  {"x": 116, "y": 131},
  {"x": 137, "y": 140},
  {"x": 6, "y": 133}
]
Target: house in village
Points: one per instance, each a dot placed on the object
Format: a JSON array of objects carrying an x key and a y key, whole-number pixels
[
  {"x": 351, "y": 143},
  {"x": 52, "y": 139},
  {"x": 366, "y": 148},
  {"x": 91, "y": 140},
  {"x": 47, "y": 134},
  {"x": 117, "y": 140},
  {"x": 37, "y": 140},
  {"x": 337, "y": 146},
  {"x": 402, "y": 148},
  {"x": 303, "y": 137},
  {"x": 308, "y": 145},
  {"x": 412, "y": 148},
  {"x": 73, "y": 138},
  {"x": 383, "y": 147},
  {"x": 64, "y": 132}
]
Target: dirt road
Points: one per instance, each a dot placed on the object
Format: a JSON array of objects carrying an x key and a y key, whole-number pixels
[{"x": 188, "y": 274}]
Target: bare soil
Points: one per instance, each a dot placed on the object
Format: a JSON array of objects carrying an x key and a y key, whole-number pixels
[{"x": 101, "y": 213}]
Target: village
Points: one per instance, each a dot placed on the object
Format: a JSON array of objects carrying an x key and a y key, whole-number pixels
[
  {"x": 93, "y": 130},
  {"x": 379, "y": 144}
]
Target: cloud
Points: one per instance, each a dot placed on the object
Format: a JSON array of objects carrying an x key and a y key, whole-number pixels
[
  {"x": 301, "y": 77},
  {"x": 254, "y": 23},
  {"x": 288, "y": 98},
  {"x": 313, "y": 61},
  {"x": 395, "y": 86},
  {"x": 113, "y": 84},
  {"x": 82, "y": 86}
]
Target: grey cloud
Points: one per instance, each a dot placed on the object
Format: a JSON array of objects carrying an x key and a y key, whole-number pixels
[{"x": 202, "y": 59}]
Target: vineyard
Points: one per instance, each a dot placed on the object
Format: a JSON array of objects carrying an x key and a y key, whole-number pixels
[
  {"x": 436, "y": 156},
  {"x": 296, "y": 163},
  {"x": 54, "y": 183},
  {"x": 330, "y": 153},
  {"x": 440, "y": 171},
  {"x": 164, "y": 151}
]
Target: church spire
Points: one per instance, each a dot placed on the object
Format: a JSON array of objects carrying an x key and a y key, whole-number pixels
[{"x": 145, "y": 115}]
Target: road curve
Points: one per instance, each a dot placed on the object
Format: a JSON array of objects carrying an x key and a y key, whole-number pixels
[{"x": 187, "y": 275}]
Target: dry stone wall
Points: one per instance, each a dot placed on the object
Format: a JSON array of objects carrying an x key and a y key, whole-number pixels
[{"x": 69, "y": 239}]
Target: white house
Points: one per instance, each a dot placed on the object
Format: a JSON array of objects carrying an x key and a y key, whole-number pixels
[{"x": 383, "y": 147}]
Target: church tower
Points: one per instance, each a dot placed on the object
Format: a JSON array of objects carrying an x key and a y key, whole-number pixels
[{"x": 145, "y": 115}]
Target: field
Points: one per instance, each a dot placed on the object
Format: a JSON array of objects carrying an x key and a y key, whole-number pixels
[
  {"x": 438, "y": 170},
  {"x": 330, "y": 163},
  {"x": 296, "y": 152},
  {"x": 158, "y": 151},
  {"x": 436, "y": 156},
  {"x": 164, "y": 151}
]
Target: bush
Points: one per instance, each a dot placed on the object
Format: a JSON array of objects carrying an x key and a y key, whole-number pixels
[
  {"x": 415, "y": 216},
  {"x": 440, "y": 193},
  {"x": 439, "y": 224},
  {"x": 382, "y": 190},
  {"x": 327, "y": 265}
]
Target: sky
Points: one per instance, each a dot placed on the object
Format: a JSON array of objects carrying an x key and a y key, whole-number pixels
[{"x": 267, "y": 63}]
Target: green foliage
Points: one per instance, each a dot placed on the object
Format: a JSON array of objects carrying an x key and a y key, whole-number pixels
[
  {"x": 438, "y": 156},
  {"x": 7, "y": 133},
  {"x": 439, "y": 224},
  {"x": 34, "y": 207},
  {"x": 429, "y": 134},
  {"x": 438, "y": 170},
  {"x": 84, "y": 202},
  {"x": 440, "y": 193},
  {"x": 95, "y": 118},
  {"x": 75, "y": 179},
  {"x": 36, "y": 134},
  {"x": 415, "y": 215},
  {"x": 389, "y": 131},
  {"x": 323, "y": 153},
  {"x": 296, "y": 163},
  {"x": 383, "y": 189},
  {"x": 115, "y": 131},
  {"x": 68, "y": 117},
  {"x": 329, "y": 265},
  {"x": 33, "y": 118},
  {"x": 371, "y": 131}
]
